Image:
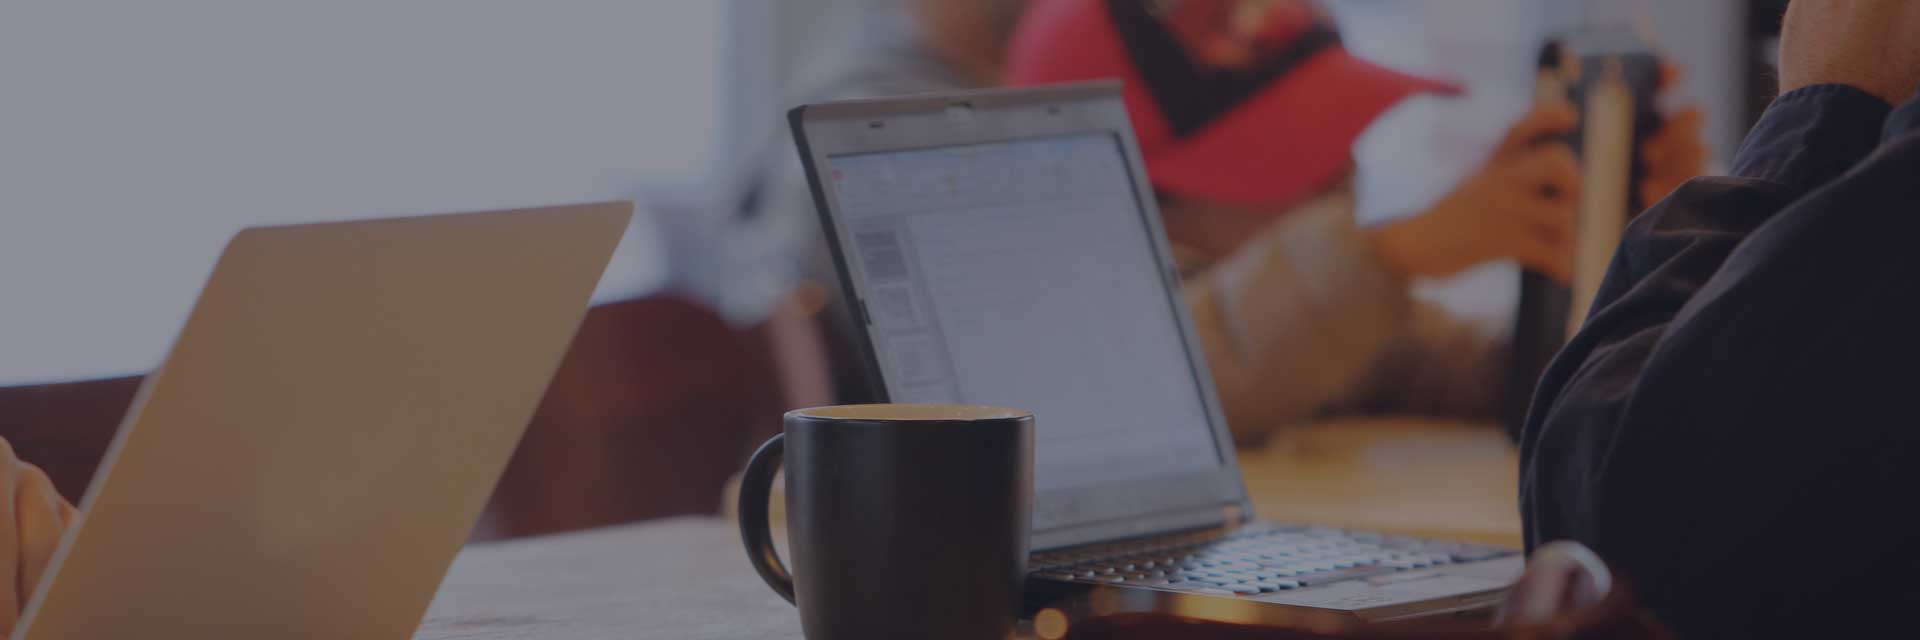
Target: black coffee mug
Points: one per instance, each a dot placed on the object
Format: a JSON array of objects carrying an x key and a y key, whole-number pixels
[{"x": 904, "y": 521}]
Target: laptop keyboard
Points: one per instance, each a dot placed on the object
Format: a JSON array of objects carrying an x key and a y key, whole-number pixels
[{"x": 1261, "y": 558}]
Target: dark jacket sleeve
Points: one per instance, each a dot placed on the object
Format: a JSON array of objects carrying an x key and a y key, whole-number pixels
[{"x": 1734, "y": 427}]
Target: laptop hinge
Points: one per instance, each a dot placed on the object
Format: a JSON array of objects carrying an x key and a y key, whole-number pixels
[
  {"x": 1236, "y": 514},
  {"x": 1129, "y": 527}
]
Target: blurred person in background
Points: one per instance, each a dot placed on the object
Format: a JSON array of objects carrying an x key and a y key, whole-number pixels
[
  {"x": 902, "y": 47},
  {"x": 1246, "y": 113}
]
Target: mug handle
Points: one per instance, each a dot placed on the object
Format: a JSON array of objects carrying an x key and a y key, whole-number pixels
[{"x": 755, "y": 485}]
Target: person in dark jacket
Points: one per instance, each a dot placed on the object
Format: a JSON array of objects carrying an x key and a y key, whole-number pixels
[{"x": 1735, "y": 430}]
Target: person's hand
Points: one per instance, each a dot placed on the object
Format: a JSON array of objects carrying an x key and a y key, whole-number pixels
[
  {"x": 1561, "y": 578},
  {"x": 1519, "y": 205},
  {"x": 1865, "y": 44},
  {"x": 1677, "y": 152},
  {"x": 33, "y": 516}
]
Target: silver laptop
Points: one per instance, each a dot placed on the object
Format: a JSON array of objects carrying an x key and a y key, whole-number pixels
[
  {"x": 1004, "y": 248},
  {"x": 326, "y": 428}
]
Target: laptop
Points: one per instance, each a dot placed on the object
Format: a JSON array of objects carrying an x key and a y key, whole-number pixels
[
  {"x": 326, "y": 428},
  {"x": 1004, "y": 248}
]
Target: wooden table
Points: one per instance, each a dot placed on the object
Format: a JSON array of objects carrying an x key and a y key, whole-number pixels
[
  {"x": 688, "y": 578},
  {"x": 1419, "y": 477},
  {"x": 683, "y": 579}
]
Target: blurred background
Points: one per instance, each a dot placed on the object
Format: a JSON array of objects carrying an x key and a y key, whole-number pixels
[{"x": 136, "y": 137}]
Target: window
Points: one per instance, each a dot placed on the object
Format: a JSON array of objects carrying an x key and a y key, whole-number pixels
[{"x": 136, "y": 137}]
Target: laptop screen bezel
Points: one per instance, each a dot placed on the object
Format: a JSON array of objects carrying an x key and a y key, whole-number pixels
[{"x": 1065, "y": 517}]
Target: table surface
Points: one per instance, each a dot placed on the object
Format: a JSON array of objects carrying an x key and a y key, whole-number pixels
[
  {"x": 683, "y": 578},
  {"x": 1419, "y": 477},
  {"x": 687, "y": 578}
]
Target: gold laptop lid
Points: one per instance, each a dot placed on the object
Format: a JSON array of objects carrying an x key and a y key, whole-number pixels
[{"x": 326, "y": 427}]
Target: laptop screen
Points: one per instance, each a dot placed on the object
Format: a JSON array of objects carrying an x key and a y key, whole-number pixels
[{"x": 1023, "y": 274}]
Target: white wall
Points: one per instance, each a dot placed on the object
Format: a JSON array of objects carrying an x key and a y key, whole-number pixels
[{"x": 136, "y": 136}]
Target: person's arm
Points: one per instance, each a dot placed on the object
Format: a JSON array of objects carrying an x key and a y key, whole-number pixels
[
  {"x": 1291, "y": 322},
  {"x": 1814, "y": 133},
  {"x": 1307, "y": 321},
  {"x": 1296, "y": 321},
  {"x": 1443, "y": 365},
  {"x": 1735, "y": 402},
  {"x": 1731, "y": 430},
  {"x": 1806, "y": 139}
]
